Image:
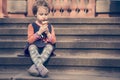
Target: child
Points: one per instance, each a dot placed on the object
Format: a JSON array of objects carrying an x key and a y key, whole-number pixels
[{"x": 41, "y": 39}]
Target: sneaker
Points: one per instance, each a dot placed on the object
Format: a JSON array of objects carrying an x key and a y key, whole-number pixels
[
  {"x": 33, "y": 71},
  {"x": 43, "y": 70}
]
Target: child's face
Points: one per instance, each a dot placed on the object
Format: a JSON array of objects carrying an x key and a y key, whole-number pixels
[{"x": 42, "y": 14}]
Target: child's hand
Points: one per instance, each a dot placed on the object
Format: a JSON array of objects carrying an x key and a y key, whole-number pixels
[
  {"x": 47, "y": 30},
  {"x": 43, "y": 28}
]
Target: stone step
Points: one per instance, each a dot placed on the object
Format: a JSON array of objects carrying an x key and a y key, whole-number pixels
[
  {"x": 65, "y": 61},
  {"x": 91, "y": 53},
  {"x": 89, "y": 38},
  {"x": 11, "y": 52},
  {"x": 15, "y": 37},
  {"x": 68, "y": 53},
  {"x": 26, "y": 76},
  {"x": 62, "y": 73},
  {"x": 13, "y": 25},
  {"x": 65, "y": 69},
  {"x": 67, "y": 37},
  {"x": 111, "y": 20},
  {"x": 7, "y": 76},
  {"x": 68, "y": 44},
  {"x": 60, "y": 26},
  {"x": 65, "y": 31},
  {"x": 88, "y": 26},
  {"x": 78, "y": 31}
]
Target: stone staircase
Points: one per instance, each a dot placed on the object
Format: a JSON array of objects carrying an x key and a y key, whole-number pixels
[{"x": 86, "y": 49}]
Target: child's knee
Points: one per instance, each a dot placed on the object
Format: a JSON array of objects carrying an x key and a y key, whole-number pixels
[
  {"x": 49, "y": 46},
  {"x": 32, "y": 47}
]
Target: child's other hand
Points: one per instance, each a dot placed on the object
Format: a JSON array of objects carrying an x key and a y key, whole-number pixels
[{"x": 47, "y": 30}]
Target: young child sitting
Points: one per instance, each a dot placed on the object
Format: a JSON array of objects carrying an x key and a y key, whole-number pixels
[{"x": 41, "y": 39}]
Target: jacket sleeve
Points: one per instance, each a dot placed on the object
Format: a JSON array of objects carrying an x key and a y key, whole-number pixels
[
  {"x": 31, "y": 36},
  {"x": 53, "y": 37}
]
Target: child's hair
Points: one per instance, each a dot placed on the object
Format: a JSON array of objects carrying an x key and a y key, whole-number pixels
[{"x": 39, "y": 3}]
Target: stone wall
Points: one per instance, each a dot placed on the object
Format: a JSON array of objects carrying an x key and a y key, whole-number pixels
[
  {"x": 108, "y": 6},
  {"x": 102, "y": 7}
]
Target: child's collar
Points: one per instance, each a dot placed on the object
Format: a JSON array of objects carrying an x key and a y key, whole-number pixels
[{"x": 38, "y": 23}]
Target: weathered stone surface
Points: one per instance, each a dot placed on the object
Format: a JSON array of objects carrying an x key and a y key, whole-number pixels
[
  {"x": 107, "y": 6},
  {"x": 17, "y": 6},
  {"x": 81, "y": 42}
]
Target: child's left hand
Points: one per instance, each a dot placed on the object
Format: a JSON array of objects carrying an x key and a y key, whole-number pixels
[{"x": 47, "y": 31}]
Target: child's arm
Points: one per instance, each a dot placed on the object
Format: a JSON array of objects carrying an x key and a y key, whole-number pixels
[
  {"x": 51, "y": 36},
  {"x": 31, "y": 36}
]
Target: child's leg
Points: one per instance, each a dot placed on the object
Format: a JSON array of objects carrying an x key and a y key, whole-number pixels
[
  {"x": 46, "y": 53},
  {"x": 33, "y": 70},
  {"x": 33, "y": 50}
]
